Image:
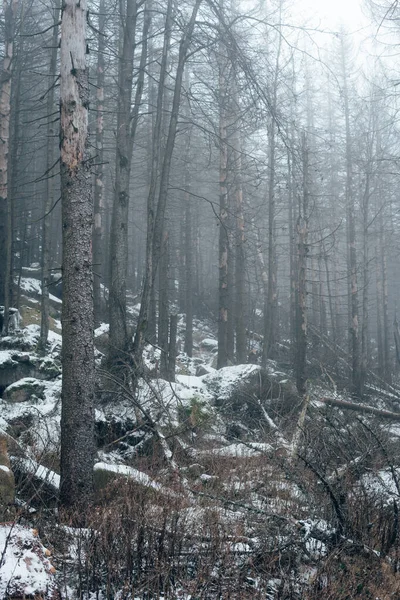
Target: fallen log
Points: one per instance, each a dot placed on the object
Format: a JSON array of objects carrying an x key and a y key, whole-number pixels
[{"x": 364, "y": 408}]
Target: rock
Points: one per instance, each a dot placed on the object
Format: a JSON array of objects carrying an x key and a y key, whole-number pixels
[
  {"x": 21, "y": 365},
  {"x": 202, "y": 370},
  {"x": 101, "y": 342},
  {"x": 27, "y": 389},
  {"x": 208, "y": 480},
  {"x": 195, "y": 469},
  {"x": 49, "y": 368},
  {"x": 21, "y": 358},
  {"x": 209, "y": 344}
]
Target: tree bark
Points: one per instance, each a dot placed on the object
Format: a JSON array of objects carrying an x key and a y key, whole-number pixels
[
  {"x": 46, "y": 247},
  {"x": 10, "y": 12},
  {"x": 98, "y": 230},
  {"x": 77, "y": 415}
]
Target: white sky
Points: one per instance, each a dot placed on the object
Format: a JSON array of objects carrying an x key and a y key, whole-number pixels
[{"x": 331, "y": 14}]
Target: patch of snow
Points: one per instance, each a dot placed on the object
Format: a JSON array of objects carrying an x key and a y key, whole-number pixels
[
  {"x": 45, "y": 413},
  {"x": 209, "y": 343},
  {"x": 138, "y": 476},
  {"x": 224, "y": 381},
  {"x": 205, "y": 478},
  {"x": 25, "y": 381},
  {"x": 381, "y": 486},
  {"x": 6, "y": 359},
  {"x": 30, "y": 285},
  {"x": 103, "y": 328},
  {"x": 25, "y": 569},
  {"x": 239, "y": 450},
  {"x": 31, "y": 467}
]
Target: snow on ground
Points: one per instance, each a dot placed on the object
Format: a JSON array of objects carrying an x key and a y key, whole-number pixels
[
  {"x": 32, "y": 286},
  {"x": 28, "y": 337},
  {"x": 44, "y": 432},
  {"x": 381, "y": 486},
  {"x": 6, "y": 358},
  {"x": 103, "y": 328},
  {"x": 34, "y": 332},
  {"x": 239, "y": 450},
  {"x": 222, "y": 383},
  {"x": 25, "y": 569}
]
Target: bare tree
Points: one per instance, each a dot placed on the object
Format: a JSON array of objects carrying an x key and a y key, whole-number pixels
[
  {"x": 156, "y": 210},
  {"x": 77, "y": 416}
]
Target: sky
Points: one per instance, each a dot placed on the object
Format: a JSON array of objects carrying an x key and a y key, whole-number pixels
[{"x": 331, "y": 14}]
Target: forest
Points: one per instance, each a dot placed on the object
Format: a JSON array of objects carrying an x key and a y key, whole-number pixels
[{"x": 200, "y": 345}]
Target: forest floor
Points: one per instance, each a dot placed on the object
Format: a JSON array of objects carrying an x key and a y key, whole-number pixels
[{"x": 238, "y": 489}]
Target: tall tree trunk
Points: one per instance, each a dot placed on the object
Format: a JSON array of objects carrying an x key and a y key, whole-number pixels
[
  {"x": 301, "y": 317},
  {"x": 223, "y": 243},
  {"x": 271, "y": 301},
  {"x": 351, "y": 241},
  {"x": 118, "y": 338},
  {"x": 241, "y": 349},
  {"x": 387, "y": 371},
  {"x": 172, "y": 346},
  {"x": 155, "y": 223},
  {"x": 365, "y": 308},
  {"x": 49, "y": 199},
  {"x": 292, "y": 253},
  {"x": 148, "y": 292},
  {"x": 13, "y": 163},
  {"x": 77, "y": 414},
  {"x": 10, "y": 12},
  {"x": 98, "y": 229},
  {"x": 163, "y": 306},
  {"x": 188, "y": 347},
  {"x": 379, "y": 319}
]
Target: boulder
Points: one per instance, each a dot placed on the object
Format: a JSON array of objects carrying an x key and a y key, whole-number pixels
[
  {"x": 203, "y": 370},
  {"x": 27, "y": 389}
]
